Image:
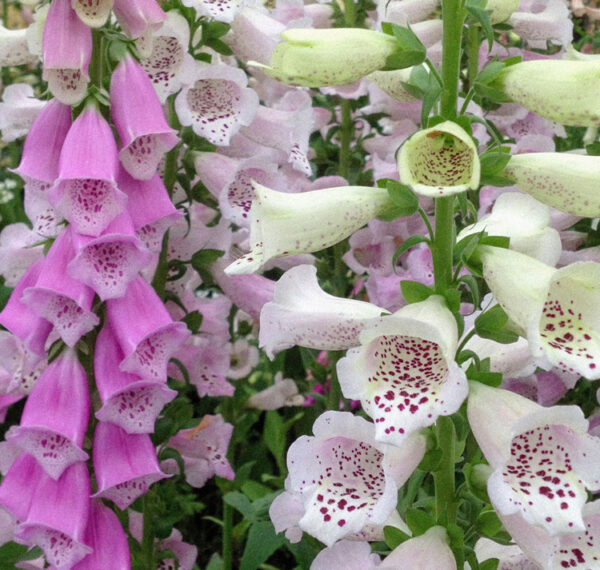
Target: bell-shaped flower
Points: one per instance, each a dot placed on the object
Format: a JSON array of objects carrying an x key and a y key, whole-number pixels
[
  {"x": 55, "y": 417},
  {"x": 125, "y": 464},
  {"x": 111, "y": 261},
  {"x": 560, "y": 90},
  {"x": 137, "y": 17},
  {"x": 139, "y": 120},
  {"x": 216, "y": 103},
  {"x": 105, "y": 535},
  {"x": 302, "y": 314},
  {"x": 92, "y": 13},
  {"x": 86, "y": 192},
  {"x": 127, "y": 400},
  {"x": 543, "y": 458},
  {"x": 146, "y": 333},
  {"x": 347, "y": 554},
  {"x": 429, "y": 550},
  {"x": 58, "y": 516},
  {"x": 221, "y": 10},
  {"x": 287, "y": 224},
  {"x": 335, "y": 56},
  {"x": 67, "y": 51},
  {"x": 18, "y": 110},
  {"x": 22, "y": 321},
  {"x": 18, "y": 487},
  {"x": 346, "y": 479},
  {"x": 565, "y": 181},
  {"x": 538, "y": 24},
  {"x": 283, "y": 392},
  {"x": 440, "y": 161},
  {"x": 13, "y": 47},
  {"x": 557, "y": 309},
  {"x": 20, "y": 369},
  {"x": 525, "y": 221},
  {"x": 19, "y": 249},
  {"x": 59, "y": 298},
  {"x": 404, "y": 372}
]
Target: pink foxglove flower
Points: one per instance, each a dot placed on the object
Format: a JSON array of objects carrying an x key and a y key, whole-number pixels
[
  {"x": 58, "y": 516},
  {"x": 18, "y": 487},
  {"x": 58, "y": 297},
  {"x": 217, "y": 103},
  {"x": 128, "y": 401},
  {"x": 347, "y": 554},
  {"x": 302, "y": 314},
  {"x": 539, "y": 23},
  {"x": 92, "y": 13},
  {"x": 554, "y": 308},
  {"x": 146, "y": 333},
  {"x": 18, "y": 110},
  {"x": 125, "y": 464},
  {"x": 543, "y": 458},
  {"x": 404, "y": 372},
  {"x": 86, "y": 192},
  {"x": 283, "y": 392},
  {"x": 343, "y": 479},
  {"x": 55, "y": 417},
  {"x": 139, "y": 120},
  {"x": 430, "y": 550},
  {"x": 137, "y": 17},
  {"x": 67, "y": 51},
  {"x": 287, "y": 224}
]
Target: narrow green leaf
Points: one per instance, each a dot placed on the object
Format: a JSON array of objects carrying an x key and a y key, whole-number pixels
[
  {"x": 403, "y": 197},
  {"x": 413, "y": 291},
  {"x": 240, "y": 503},
  {"x": 262, "y": 542},
  {"x": 419, "y": 521},
  {"x": 394, "y": 536},
  {"x": 483, "y": 18}
]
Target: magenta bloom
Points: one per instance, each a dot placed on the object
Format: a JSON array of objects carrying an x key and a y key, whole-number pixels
[
  {"x": 55, "y": 417},
  {"x": 139, "y": 119},
  {"x": 57, "y": 297},
  {"x": 86, "y": 192},
  {"x": 145, "y": 331},
  {"x": 19, "y": 484},
  {"x": 125, "y": 464},
  {"x": 138, "y": 16},
  {"x": 128, "y": 401},
  {"x": 67, "y": 51}
]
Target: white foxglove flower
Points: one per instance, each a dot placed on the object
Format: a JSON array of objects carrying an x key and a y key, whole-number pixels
[
  {"x": 287, "y": 224},
  {"x": 429, "y": 550},
  {"x": 440, "y": 161},
  {"x": 13, "y": 47},
  {"x": 404, "y": 372}
]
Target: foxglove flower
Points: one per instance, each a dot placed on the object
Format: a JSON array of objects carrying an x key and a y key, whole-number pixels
[
  {"x": 283, "y": 392},
  {"x": 554, "y": 308},
  {"x": 440, "y": 161},
  {"x": 67, "y": 51},
  {"x": 125, "y": 464},
  {"x": 344, "y": 477},
  {"x": 219, "y": 10},
  {"x": 302, "y": 314},
  {"x": 18, "y": 487},
  {"x": 336, "y": 56},
  {"x": 55, "y": 417},
  {"x": 18, "y": 251},
  {"x": 139, "y": 120},
  {"x": 560, "y": 90},
  {"x": 137, "y": 17},
  {"x": 146, "y": 333},
  {"x": 18, "y": 110},
  {"x": 538, "y": 24},
  {"x": 404, "y": 371},
  {"x": 92, "y": 13},
  {"x": 347, "y": 554},
  {"x": 430, "y": 550},
  {"x": 217, "y": 103},
  {"x": 13, "y": 48},
  {"x": 86, "y": 192},
  {"x": 568, "y": 182},
  {"x": 286, "y": 224},
  {"x": 127, "y": 400},
  {"x": 543, "y": 458}
]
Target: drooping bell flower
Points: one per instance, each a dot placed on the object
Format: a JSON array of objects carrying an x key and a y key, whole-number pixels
[
  {"x": 86, "y": 192},
  {"x": 543, "y": 458},
  {"x": 556, "y": 309},
  {"x": 347, "y": 554},
  {"x": 67, "y": 51},
  {"x": 111, "y": 261},
  {"x": 287, "y": 224},
  {"x": 139, "y": 120},
  {"x": 404, "y": 372},
  {"x": 18, "y": 110},
  {"x": 568, "y": 182},
  {"x": 137, "y": 17},
  {"x": 563, "y": 91},
  {"x": 150, "y": 207},
  {"x": 125, "y": 464},
  {"x": 128, "y": 401},
  {"x": 429, "y": 550},
  {"x": 20, "y": 368},
  {"x": 107, "y": 539},
  {"x": 13, "y": 47},
  {"x": 344, "y": 477},
  {"x": 92, "y": 13},
  {"x": 146, "y": 333},
  {"x": 302, "y": 314},
  {"x": 335, "y": 56},
  {"x": 440, "y": 161},
  {"x": 19, "y": 249},
  {"x": 55, "y": 417},
  {"x": 22, "y": 321},
  {"x": 57, "y": 297},
  {"x": 18, "y": 487}
]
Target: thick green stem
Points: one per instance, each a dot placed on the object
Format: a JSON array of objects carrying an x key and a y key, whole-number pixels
[
  {"x": 453, "y": 15},
  {"x": 148, "y": 530},
  {"x": 473, "y": 42},
  {"x": 349, "y": 13},
  {"x": 96, "y": 63},
  {"x": 445, "y": 503},
  {"x": 346, "y": 134},
  {"x": 227, "y": 536},
  {"x": 443, "y": 246}
]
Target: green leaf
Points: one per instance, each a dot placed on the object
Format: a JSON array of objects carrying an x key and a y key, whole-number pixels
[
  {"x": 219, "y": 46},
  {"x": 262, "y": 542},
  {"x": 274, "y": 434},
  {"x": 394, "y": 536},
  {"x": 430, "y": 97},
  {"x": 419, "y": 521},
  {"x": 476, "y": 9},
  {"x": 488, "y": 523},
  {"x": 11, "y": 553},
  {"x": 493, "y": 379},
  {"x": 215, "y": 562},
  {"x": 493, "y": 162},
  {"x": 473, "y": 287},
  {"x": 413, "y": 291},
  {"x": 492, "y": 325},
  {"x": 593, "y": 149},
  {"x": 452, "y": 297},
  {"x": 489, "y": 564},
  {"x": 411, "y": 50},
  {"x": 240, "y": 503},
  {"x": 202, "y": 260},
  {"x": 495, "y": 241},
  {"x": 193, "y": 321},
  {"x": 406, "y": 245},
  {"x": 431, "y": 460},
  {"x": 403, "y": 198}
]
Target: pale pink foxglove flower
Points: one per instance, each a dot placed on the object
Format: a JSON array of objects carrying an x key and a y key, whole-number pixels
[
  {"x": 429, "y": 550},
  {"x": 540, "y": 22},
  {"x": 92, "y": 13},
  {"x": 510, "y": 556},
  {"x": 283, "y": 392},
  {"x": 404, "y": 371},
  {"x": 243, "y": 357},
  {"x": 347, "y": 554},
  {"x": 18, "y": 110},
  {"x": 17, "y": 252},
  {"x": 403, "y": 12},
  {"x": 13, "y": 47},
  {"x": 543, "y": 458},
  {"x": 138, "y": 17}
]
